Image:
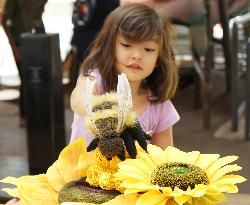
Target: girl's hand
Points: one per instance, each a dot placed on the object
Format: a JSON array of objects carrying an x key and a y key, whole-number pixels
[
  {"x": 78, "y": 95},
  {"x": 14, "y": 201}
]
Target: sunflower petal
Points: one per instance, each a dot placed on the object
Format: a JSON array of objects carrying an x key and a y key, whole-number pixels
[
  {"x": 173, "y": 154},
  {"x": 130, "y": 169},
  {"x": 68, "y": 159},
  {"x": 39, "y": 183},
  {"x": 167, "y": 190},
  {"x": 54, "y": 177},
  {"x": 152, "y": 198},
  {"x": 232, "y": 188},
  {"x": 213, "y": 199},
  {"x": 24, "y": 183},
  {"x": 10, "y": 180},
  {"x": 212, "y": 190},
  {"x": 215, "y": 189},
  {"x": 220, "y": 163},
  {"x": 223, "y": 171},
  {"x": 199, "y": 190},
  {"x": 181, "y": 199},
  {"x": 135, "y": 169},
  {"x": 157, "y": 154},
  {"x": 147, "y": 158},
  {"x": 205, "y": 160},
  {"x": 192, "y": 157},
  {"x": 139, "y": 164},
  {"x": 143, "y": 165},
  {"x": 231, "y": 179},
  {"x": 84, "y": 161},
  {"x": 135, "y": 184},
  {"x": 132, "y": 191},
  {"x": 129, "y": 182},
  {"x": 12, "y": 192},
  {"x": 135, "y": 176}
]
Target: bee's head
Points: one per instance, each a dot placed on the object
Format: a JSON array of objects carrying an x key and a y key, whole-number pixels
[{"x": 111, "y": 146}]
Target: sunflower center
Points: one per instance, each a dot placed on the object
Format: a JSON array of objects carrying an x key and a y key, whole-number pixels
[
  {"x": 181, "y": 175},
  {"x": 179, "y": 170}
]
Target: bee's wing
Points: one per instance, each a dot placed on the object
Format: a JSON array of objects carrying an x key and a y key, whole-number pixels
[
  {"x": 124, "y": 100},
  {"x": 88, "y": 102}
]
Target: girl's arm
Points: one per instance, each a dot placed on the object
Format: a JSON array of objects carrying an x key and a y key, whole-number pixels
[
  {"x": 163, "y": 139},
  {"x": 14, "y": 201},
  {"x": 78, "y": 94}
]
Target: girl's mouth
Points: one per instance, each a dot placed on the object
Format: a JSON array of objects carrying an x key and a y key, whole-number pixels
[{"x": 134, "y": 66}]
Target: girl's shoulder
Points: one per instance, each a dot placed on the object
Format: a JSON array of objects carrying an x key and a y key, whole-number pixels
[
  {"x": 159, "y": 116},
  {"x": 162, "y": 107}
]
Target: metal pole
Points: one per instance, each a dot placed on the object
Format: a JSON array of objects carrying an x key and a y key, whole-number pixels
[
  {"x": 247, "y": 114},
  {"x": 234, "y": 78},
  {"x": 207, "y": 86}
]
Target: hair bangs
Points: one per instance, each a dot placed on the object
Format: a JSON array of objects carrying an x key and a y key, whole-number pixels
[{"x": 140, "y": 29}]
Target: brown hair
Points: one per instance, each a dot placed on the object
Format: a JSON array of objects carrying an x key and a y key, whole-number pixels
[{"x": 137, "y": 22}]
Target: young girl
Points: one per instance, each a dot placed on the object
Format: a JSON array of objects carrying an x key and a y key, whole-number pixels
[{"x": 133, "y": 40}]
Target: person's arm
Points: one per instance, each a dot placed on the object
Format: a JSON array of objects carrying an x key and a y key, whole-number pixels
[
  {"x": 163, "y": 139},
  {"x": 14, "y": 201},
  {"x": 16, "y": 51},
  {"x": 78, "y": 94}
]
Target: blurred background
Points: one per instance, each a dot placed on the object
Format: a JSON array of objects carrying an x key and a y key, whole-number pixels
[{"x": 212, "y": 50}]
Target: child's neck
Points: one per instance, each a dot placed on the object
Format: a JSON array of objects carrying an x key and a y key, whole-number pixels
[
  {"x": 135, "y": 88},
  {"x": 139, "y": 97}
]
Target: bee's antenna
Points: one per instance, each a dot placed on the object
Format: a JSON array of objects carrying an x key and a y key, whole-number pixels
[
  {"x": 124, "y": 100},
  {"x": 88, "y": 103}
]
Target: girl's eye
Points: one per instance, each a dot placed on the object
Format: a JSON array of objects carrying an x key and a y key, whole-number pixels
[
  {"x": 125, "y": 45},
  {"x": 149, "y": 49}
]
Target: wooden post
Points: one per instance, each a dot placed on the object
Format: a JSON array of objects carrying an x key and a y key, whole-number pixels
[{"x": 43, "y": 96}]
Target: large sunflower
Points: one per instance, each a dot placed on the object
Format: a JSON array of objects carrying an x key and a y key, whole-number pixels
[
  {"x": 71, "y": 165},
  {"x": 171, "y": 176}
]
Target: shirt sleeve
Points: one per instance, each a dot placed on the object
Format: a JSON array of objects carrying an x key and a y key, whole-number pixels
[
  {"x": 76, "y": 128},
  {"x": 167, "y": 116},
  {"x": 79, "y": 129}
]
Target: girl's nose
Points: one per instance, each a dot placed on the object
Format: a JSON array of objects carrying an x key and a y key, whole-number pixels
[{"x": 136, "y": 55}]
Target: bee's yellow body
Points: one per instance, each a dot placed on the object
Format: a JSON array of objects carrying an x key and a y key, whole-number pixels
[{"x": 105, "y": 114}]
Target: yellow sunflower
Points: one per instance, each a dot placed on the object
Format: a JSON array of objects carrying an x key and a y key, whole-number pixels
[
  {"x": 72, "y": 164},
  {"x": 174, "y": 177}
]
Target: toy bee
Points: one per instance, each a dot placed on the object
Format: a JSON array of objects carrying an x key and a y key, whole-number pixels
[{"x": 111, "y": 119}]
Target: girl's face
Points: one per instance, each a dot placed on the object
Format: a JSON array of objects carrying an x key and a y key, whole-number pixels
[{"x": 136, "y": 59}]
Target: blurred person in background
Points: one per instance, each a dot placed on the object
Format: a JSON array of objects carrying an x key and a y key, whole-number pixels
[
  {"x": 20, "y": 16},
  {"x": 2, "y": 3},
  {"x": 87, "y": 18}
]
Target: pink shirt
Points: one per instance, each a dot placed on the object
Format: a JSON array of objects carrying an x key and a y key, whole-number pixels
[{"x": 156, "y": 118}]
